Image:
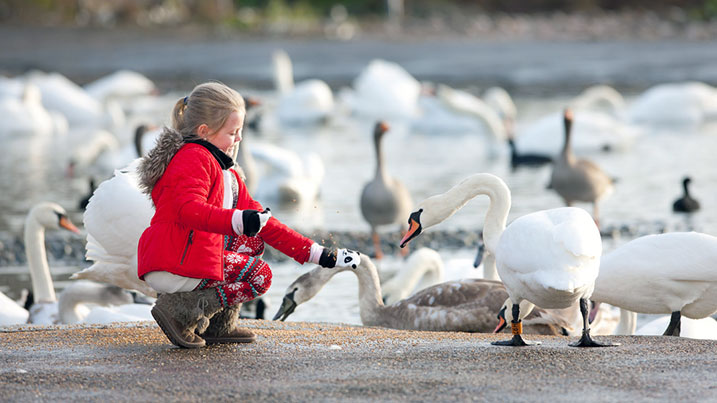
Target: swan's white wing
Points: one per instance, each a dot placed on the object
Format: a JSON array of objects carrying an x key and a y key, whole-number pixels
[
  {"x": 116, "y": 216},
  {"x": 558, "y": 249},
  {"x": 282, "y": 161},
  {"x": 384, "y": 90},
  {"x": 122, "y": 83},
  {"x": 662, "y": 273}
]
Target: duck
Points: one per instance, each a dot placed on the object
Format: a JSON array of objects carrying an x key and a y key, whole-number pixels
[
  {"x": 423, "y": 268},
  {"x": 116, "y": 215},
  {"x": 550, "y": 258},
  {"x": 686, "y": 203},
  {"x": 578, "y": 179},
  {"x": 308, "y": 102},
  {"x": 670, "y": 273},
  {"x": 384, "y": 200},
  {"x": 467, "y": 305}
]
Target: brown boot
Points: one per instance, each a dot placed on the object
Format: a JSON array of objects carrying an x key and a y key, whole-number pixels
[
  {"x": 180, "y": 314},
  {"x": 223, "y": 328},
  {"x": 178, "y": 334}
]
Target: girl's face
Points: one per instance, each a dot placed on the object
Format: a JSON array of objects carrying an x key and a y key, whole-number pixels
[{"x": 227, "y": 135}]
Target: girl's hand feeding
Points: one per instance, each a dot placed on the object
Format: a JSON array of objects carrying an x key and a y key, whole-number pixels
[
  {"x": 250, "y": 222},
  {"x": 339, "y": 258}
]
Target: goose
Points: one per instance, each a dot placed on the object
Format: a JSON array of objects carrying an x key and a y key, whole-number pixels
[
  {"x": 116, "y": 216},
  {"x": 675, "y": 104},
  {"x": 422, "y": 269},
  {"x": 578, "y": 179},
  {"x": 671, "y": 273},
  {"x": 686, "y": 203},
  {"x": 467, "y": 305},
  {"x": 384, "y": 200},
  {"x": 550, "y": 258},
  {"x": 306, "y": 103}
]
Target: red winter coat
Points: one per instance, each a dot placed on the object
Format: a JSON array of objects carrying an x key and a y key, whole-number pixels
[{"x": 186, "y": 234}]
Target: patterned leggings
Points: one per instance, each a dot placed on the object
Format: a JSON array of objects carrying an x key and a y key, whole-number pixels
[{"x": 245, "y": 275}]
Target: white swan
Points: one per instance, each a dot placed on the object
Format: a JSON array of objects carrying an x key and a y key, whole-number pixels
[
  {"x": 116, "y": 216},
  {"x": 670, "y": 273},
  {"x": 470, "y": 105},
  {"x": 305, "y": 103},
  {"x": 675, "y": 104},
  {"x": 468, "y": 305},
  {"x": 62, "y": 95},
  {"x": 121, "y": 84},
  {"x": 89, "y": 302},
  {"x": 46, "y": 309},
  {"x": 11, "y": 313},
  {"x": 287, "y": 177},
  {"x": 422, "y": 269},
  {"x": 383, "y": 90},
  {"x": 25, "y": 116},
  {"x": 551, "y": 257},
  {"x": 705, "y": 328}
]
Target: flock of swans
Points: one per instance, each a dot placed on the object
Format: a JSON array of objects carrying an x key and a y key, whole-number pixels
[{"x": 545, "y": 270}]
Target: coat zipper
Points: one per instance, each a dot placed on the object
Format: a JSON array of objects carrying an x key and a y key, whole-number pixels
[{"x": 186, "y": 248}]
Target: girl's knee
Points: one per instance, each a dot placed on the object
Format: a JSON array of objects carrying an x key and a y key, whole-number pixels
[{"x": 262, "y": 280}]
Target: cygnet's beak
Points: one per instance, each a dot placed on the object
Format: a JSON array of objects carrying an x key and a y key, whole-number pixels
[{"x": 287, "y": 308}]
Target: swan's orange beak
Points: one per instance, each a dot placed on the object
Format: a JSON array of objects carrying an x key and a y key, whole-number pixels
[
  {"x": 68, "y": 225},
  {"x": 414, "y": 227}
]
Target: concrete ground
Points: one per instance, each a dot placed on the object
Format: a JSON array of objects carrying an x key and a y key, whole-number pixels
[{"x": 297, "y": 361}]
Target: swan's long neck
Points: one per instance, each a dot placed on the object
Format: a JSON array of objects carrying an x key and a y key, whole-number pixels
[
  {"x": 42, "y": 287},
  {"x": 370, "y": 302},
  {"x": 408, "y": 278},
  {"x": 447, "y": 204},
  {"x": 283, "y": 72},
  {"x": 627, "y": 324}
]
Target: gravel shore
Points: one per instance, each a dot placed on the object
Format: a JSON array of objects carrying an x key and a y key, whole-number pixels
[{"x": 297, "y": 361}]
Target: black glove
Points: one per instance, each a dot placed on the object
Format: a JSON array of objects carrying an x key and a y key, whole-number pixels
[
  {"x": 250, "y": 222},
  {"x": 341, "y": 258}
]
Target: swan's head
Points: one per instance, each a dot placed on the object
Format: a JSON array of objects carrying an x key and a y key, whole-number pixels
[
  {"x": 430, "y": 212},
  {"x": 686, "y": 181},
  {"x": 505, "y": 315},
  {"x": 51, "y": 216},
  {"x": 308, "y": 285}
]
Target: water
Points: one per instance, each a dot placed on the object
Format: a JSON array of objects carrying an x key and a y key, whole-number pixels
[{"x": 649, "y": 172}]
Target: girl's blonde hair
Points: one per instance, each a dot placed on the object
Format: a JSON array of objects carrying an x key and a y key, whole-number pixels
[{"x": 209, "y": 103}]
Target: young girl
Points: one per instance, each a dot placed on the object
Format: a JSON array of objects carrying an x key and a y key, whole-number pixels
[{"x": 202, "y": 249}]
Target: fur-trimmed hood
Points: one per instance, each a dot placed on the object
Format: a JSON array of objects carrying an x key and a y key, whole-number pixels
[{"x": 152, "y": 166}]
